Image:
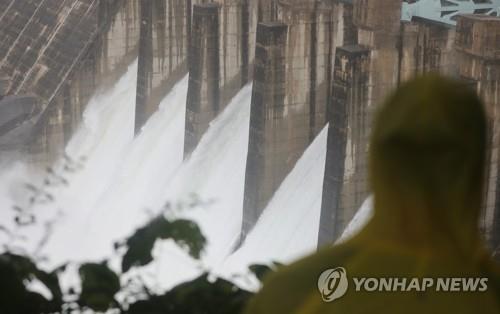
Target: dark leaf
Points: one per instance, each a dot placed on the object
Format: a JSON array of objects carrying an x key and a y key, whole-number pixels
[
  {"x": 99, "y": 286},
  {"x": 14, "y": 271},
  {"x": 51, "y": 281},
  {"x": 141, "y": 243},
  {"x": 12, "y": 289},
  {"x": 187, "y": 234},
  {"x": 260, "y": 271},
  {"x": 197, "y": 296}
]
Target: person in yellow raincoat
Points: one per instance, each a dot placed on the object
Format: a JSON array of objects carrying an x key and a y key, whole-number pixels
[{"x": 422, "y": 251}]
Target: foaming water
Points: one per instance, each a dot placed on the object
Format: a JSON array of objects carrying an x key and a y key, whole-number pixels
[
  {"x": 215, "y": 173},
  {"x": 62, "y": 201},
  {"x": 111, "y": 183},
  {"x": 288, "y": 227}
]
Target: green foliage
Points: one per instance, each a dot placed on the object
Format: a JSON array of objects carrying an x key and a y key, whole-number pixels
[
  {"x": 17, "y": 270},
  {"x": 261, "y": 271},
  {"x": 99, "y": 286},
  {"x": 184, "y": 232},
  {"x": 196, "y": 297}
]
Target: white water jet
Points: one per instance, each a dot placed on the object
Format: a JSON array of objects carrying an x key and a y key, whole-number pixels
[
  {"x": 288, "y": 227},
  {"x": 66, "y": 200},
  {"x": 125, "y": 181},
  {"x": 215, "y": 173}
]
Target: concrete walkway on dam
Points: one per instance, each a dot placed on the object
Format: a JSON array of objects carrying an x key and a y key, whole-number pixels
[{"x": 230, "y": 93}]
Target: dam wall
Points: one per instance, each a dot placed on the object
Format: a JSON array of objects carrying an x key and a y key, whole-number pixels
[
  {"x": 292, "y": 113},
  {"x": 478, "y": 47},
  {"x": 102, "y": 63},
  {"x": 62, "y": 52},
  {"x": 365, "y": 72},
  {"x": 312, "y": 63},
  {"x": 43, "y": 41},
  {"x": 163, "y": 52},
  {"x": 427, "y": 47},
  {"x": 389, "y": 52},
  {"x": 220, "y": 60}
]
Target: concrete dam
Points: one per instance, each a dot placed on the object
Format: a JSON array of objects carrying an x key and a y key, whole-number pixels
[{"x": 264, "y": 106}]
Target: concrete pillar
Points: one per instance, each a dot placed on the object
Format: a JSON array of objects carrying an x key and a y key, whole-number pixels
[
  {"x": 315, "y": 29},
  {"x": 309, "y": 53},
  {"x": 364, "y": 75},
  {"x": 203, "y": 101},
  {"x": 271, "y": 132},
  {"x": 346, "y": 33},
  {"x": 237, "y": 27},
  {"x": 350, "y": 91},
  {"x": 145, "y": 64},
  {"x": 117, "y": 44},
  {"x": 267, "y": 10},
  {"x": 379, "y": 29},
  {"x": 163, "y": 52},
  {"x": 222, "y": 73},
  {"x": 479, "y": 62},
  {"x": 427, "y": 46},
  {"x": 107, "y": 59}
]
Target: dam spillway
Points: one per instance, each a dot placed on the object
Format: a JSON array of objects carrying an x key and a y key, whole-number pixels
[{"x": 166, "y": 99}]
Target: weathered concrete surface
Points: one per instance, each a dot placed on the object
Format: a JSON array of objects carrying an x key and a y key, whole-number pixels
[
  {"x": 103, "y": 62},
  {"x": 117, "y": 43},
  {"x": 4, "y": 83},
  {"x": 315, "y": 30},
  {"x": 203, "y": 102},
  {"x": 269, "y": 150},
  {"x": 427, "y": 46},
  {"x": 309, "y": 65},
  {"x": 478, "y": 44},
  {"x": 16, "y": 120},
  {"x": 328, "y": 61},
  {"x": 163, "y": 52},
  {"x": 221, "y": 59},
  {"x": 4, "y": 5},
  {"x": 364, "y": 74},
  {"x": 346, "y": 139},
  {"x": 345, "y": 31},
  {"x": 398, "y": 51},
  {"x": 267, "y": 10},
  {"x": 43, "y": 41},
  {"x": 60, "y": 52}
]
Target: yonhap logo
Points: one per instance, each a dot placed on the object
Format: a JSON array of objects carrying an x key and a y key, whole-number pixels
[{"x": 333, "y": 284}]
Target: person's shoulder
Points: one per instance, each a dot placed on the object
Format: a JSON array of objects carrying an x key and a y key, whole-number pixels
[{"x": 289, "y": 287}]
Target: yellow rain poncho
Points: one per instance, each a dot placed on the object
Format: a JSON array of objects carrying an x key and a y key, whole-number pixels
[{"x": 427, "y": 165}]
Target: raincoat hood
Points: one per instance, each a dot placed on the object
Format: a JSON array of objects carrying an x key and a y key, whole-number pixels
[{"x": 427, "y": 165}]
